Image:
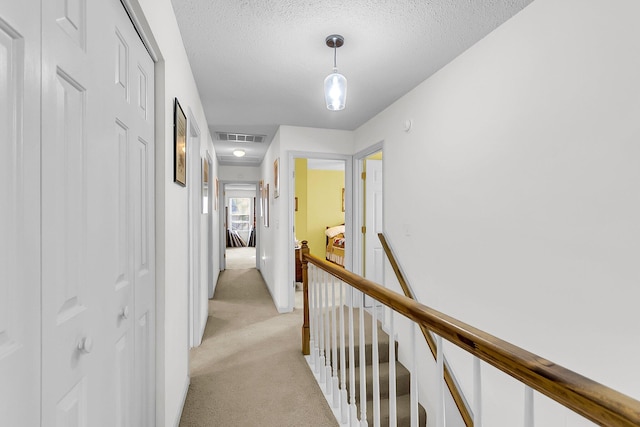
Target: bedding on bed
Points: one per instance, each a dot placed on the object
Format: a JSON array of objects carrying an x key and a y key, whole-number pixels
[{"x": 335, "y": 244}]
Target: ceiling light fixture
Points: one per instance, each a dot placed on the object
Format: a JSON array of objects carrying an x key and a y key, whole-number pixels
[
  {"x": 239, "y": 152},
  {"x": 335, "y": 85}
]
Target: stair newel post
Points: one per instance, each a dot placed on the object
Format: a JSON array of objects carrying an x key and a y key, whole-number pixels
[{"x": 305, "y": 291}]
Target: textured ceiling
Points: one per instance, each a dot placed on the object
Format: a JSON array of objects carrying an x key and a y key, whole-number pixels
[{"x": 261, "y": 63}]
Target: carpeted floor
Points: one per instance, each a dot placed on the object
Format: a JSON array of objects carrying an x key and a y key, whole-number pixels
[
  {"x": 249, "y": 370},
  {"x": 240, "y": 258}
]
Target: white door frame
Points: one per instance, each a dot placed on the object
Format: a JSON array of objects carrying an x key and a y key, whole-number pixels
[
  {"x": 210, "y": 204},
  {"x": 358, "y": 207},
  {"x": 348, "y": 209},
  {"x": 194, "y": 184},
  {"x": 223, "y": 220}
]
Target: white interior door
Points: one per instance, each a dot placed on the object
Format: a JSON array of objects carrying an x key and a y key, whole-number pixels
[
  {"x": 374, "y": 253},
  {"x": 97, "y": 194},
  {"x": 135, "y": 77},
  {"x": 194, "y": 212},
  {"x": 20, "y": 213}
]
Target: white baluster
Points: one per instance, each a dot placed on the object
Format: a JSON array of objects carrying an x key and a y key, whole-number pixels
[
  {"x": 321, "y": 367},
  {"x": 363, "y": 365},
  {"x": 440, "y": 363},
  {"x": 477, "y": 393},
  {"x": 334, "y": 358},
  {"x": 528, "y": 406},
  {"x": 393, "y": 419},
  {"x": 327, "y": 338},
  {"x": 316, "y": 314},
  {"x": 414, "y": 378},
  {"x": 344, "y": 404},
  {"x": 312, "y": 323},
  {"x": 353, "y": 413},
  {"x": 375, "y": 360}
]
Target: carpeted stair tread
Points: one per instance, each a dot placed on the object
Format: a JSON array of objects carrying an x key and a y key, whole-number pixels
[
  {"x": 403, "y": 380},
  {"x": 403, "y": 376},
  {"x": 403, "y": 412}
]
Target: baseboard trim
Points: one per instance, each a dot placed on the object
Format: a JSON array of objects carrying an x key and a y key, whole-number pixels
[{"x": 184, "y": 400}]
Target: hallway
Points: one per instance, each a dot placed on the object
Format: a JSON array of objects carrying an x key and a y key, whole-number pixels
[{"x": 249, "y": 369}]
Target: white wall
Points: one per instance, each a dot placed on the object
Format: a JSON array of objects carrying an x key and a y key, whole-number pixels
[
  {"x": 239, "y": 173},
  {"x": 521, "y": 169},
  {"x": 173, "y": 79},
  {"x": 274, "y": 248}
]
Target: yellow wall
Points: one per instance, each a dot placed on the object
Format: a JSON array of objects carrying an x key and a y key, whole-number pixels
[
  {"x": 319, "y": 194},
  {"x": 324, "y": 205}
]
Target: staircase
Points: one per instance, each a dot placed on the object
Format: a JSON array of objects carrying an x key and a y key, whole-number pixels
[{"x": 403, "y": 377}]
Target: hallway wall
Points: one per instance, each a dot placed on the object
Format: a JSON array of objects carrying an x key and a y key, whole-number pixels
[
  {"x": 513, "y": 202},
  {"x": 275, "y": 250},
  {"x": 174, "y": 79}
]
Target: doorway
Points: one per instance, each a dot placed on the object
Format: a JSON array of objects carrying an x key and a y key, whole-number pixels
[
  {"x": 239, "y": 201},
  {"x": 320, "y": 201}
]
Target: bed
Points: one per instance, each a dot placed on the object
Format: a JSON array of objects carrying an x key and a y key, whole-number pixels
[{"x": 335, "y": 244}]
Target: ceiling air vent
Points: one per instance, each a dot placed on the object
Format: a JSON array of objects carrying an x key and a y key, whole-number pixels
[{"x": 240, "y": 137}]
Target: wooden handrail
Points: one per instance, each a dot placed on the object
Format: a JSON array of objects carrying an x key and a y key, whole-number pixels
[
  {"x": 448, "y": 376},
  {"x": 594, "y": 401}
]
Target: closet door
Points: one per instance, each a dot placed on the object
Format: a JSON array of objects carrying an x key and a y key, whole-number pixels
[
  {"x": 98, "y": 282},
  {"x": 134, "y": 290},
  {"x": 20, "y": 213},
  {"x": 74, "y": 305}
]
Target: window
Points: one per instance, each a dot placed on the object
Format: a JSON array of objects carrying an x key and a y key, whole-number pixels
[{"x": 240, "y": 216}]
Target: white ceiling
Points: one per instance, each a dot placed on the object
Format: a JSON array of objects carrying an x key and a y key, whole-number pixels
[{"x": 259, "y": 64}]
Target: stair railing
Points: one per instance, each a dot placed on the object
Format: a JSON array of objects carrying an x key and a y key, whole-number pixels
[
  {"x": 591, "y": 400},
  {"x": 456, "y": 394}
]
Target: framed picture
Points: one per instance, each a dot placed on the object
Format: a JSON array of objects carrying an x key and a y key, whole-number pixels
[
  {"x": 205, "y": 186},
  {"x": 179, "y": 145},
  {"x": 216, "y": 195},
  {"x": 276, "y": 178},
  {"x": 261, "y": 198},
  {"x": 266, "y": 205},
  {"x": 343, "y": 200}
]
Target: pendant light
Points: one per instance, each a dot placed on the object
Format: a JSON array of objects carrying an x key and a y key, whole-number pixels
[{"x": 335, "y": 85}]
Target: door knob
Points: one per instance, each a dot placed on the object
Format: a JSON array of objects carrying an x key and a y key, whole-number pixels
[
  {"x": 124, "y": 313},
  {"x": 85, "y": 345}
]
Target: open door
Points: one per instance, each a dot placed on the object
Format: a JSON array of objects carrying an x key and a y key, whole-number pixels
[{"x": 373, "y": 251}]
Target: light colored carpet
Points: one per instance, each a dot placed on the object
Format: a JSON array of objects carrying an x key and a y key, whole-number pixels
[
  {"x": 249, "y": 370},
  {"x": 240, "y": 258}
]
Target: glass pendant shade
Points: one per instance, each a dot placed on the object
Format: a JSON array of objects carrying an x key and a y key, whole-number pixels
[{"x": 335, "y": 91}]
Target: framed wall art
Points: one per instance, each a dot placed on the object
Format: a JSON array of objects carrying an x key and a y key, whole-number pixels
[
  {"x": 205, "y": 186},
  {"x": 216, "y": 195},
  {"x": 276, "y": 178},
  {"x": 261, "y": 198},
  {"x": 266, "y": 205},
  {"x": 179, "y": 145}
]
